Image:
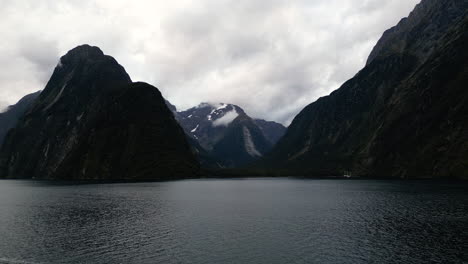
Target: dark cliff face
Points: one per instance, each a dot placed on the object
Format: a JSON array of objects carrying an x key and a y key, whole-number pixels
[
  {"x": 403, "y": 115},
  {"x": 92, "y": 122},
  {"x": 13, "y": 113},
  {"x": 419, "y": 34}
]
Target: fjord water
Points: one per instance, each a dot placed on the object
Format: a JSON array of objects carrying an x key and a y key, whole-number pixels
[{"x": 234, "y": 221}]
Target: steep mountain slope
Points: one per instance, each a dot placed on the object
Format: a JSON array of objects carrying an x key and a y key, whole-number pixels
[
  {"x": 10, "y": 117},
  {"x": 92, "y": 122},
  {"x": 273, "y": 131},
  {"x": 225, "y": 136},
  {"x": 404, "y": 115},
  {"x": 242, "y": 143}
]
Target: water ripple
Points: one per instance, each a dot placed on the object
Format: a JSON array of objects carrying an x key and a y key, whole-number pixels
[{"x": 232, "y": 221}]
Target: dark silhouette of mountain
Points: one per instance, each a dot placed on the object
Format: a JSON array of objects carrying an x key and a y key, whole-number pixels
[
  {"x": 225, "y": 136},
  {"x": 92, "y": 122},
  {"x": 404, "y": 115},
  {"x": 10, "y": 117}
]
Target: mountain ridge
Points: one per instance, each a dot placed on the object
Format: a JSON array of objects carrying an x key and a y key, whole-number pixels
[{"x": 373, "y": 125}]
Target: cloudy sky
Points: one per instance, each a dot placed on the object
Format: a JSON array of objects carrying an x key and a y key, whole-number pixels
[{"x": 271, "y": 57}]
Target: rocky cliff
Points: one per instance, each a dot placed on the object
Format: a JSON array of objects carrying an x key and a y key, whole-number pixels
[
  {"x": 92, "y": 122},
  {"x": 404, "y": 115}
]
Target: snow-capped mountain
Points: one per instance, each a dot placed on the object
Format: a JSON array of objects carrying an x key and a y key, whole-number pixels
[
  {"x": 227, "y": 133},
  {"x": 207, "y": 122}
]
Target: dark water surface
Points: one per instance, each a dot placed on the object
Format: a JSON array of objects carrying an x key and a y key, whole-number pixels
[{"x": 234, "y": 221}]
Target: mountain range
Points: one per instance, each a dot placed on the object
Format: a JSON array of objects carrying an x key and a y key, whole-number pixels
[
  {"x": 404, "y": 115},
  {"x": 227, "y": 136}
]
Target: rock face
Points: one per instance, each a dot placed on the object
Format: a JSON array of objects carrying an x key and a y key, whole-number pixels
[
  {"x": 273, "y": 131},
  {"x": 404, "y": 115},
  {"x": 92, "y": 122},
  {"x": 242, "y": 143},
  {"x": 10, "y": 117},
  {"x": 225, "y": 136}
]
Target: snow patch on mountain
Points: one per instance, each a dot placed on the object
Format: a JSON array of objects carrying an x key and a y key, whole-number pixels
[
  {"x": 221, "y": 106},
  {"x": 195, "y": 129},
  {"x": 78, "y": 118},
  {"x": 226, "y": 119},
  {"x": 249, "y": 144},
  {"x": 215, "y": 109},
  {"x": 57, "y": 97}
]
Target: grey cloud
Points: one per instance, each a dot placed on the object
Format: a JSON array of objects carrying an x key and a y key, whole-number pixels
[
  {"x": 3, "y": 106},
  {"x": 43, "y": 57},
  {"x": 272, "y": 57}
]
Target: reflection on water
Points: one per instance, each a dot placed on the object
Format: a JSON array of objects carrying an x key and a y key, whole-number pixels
[{"x": 234, "y": 221}]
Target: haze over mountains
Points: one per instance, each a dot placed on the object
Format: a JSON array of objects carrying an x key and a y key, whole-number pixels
[
  {"x": 12, "y": 114},
  {"x": 403, "y": 115}
]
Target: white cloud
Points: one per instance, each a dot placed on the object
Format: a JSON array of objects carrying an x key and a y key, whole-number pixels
[
  {"x": 226, "y": 119},
  {"x": 271, "y": 57}
]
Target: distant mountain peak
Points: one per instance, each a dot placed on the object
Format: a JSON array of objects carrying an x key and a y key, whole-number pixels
[
  {"x": 226, "y": 134},
  {"x": 218, "y": 114}
]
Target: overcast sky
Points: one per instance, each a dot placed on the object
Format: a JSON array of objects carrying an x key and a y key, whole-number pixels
[{"x": 271, "y": 57}]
